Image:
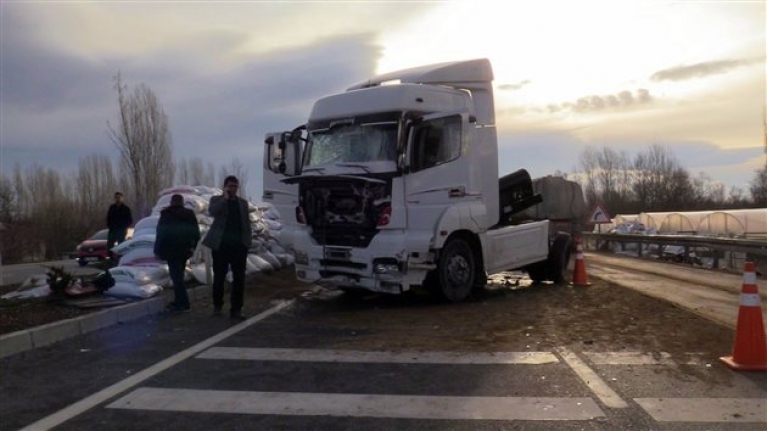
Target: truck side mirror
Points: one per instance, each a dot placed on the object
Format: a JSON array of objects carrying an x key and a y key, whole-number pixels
[{"x": 283, "y": 153}]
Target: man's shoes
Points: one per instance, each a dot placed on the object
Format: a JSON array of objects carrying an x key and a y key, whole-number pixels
[
  {"x": 217, "y": 312},
  {"x": 237, "y": 315},
  {"x": 176, "y": 309}
]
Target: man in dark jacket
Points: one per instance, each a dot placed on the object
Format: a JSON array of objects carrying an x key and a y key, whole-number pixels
[
  {"x": 177, "y": 237},
  {"x": 119, "y": 218},
  {"x": 229, "y": 239}
]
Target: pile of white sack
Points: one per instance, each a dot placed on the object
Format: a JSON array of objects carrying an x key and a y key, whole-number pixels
[{"x": 140, "y": 274}]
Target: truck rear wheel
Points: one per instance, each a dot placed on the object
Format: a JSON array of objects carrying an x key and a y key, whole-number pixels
[
  {"x": 554, "y": 268},
  {"x": 456, "y": 270},
  {"x": 559, "y": 258}
]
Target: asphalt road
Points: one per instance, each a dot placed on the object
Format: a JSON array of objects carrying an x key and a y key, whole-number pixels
[{"x": 518, "y": 357}]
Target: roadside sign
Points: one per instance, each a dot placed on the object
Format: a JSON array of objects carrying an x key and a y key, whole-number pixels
[{"x": 600, "y": 215}]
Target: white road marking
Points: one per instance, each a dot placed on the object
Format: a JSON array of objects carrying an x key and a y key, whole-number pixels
[
  {"x": 360, "y": 405},
  {"x": 605, "y": 394},
  {"x": 79, "y": 407},
  {"x": 640, "y": 358},
  {"x": 312, "y": 355},
  {"x": 705, "y": 409}
]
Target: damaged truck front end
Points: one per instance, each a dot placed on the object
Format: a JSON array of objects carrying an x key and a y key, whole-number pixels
[
  {"x": 346, "y": 225},
  {"x": 349, "y": 230}
]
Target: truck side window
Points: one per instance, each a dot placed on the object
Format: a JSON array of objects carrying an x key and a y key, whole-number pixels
[{"x": 436, "y": 142}]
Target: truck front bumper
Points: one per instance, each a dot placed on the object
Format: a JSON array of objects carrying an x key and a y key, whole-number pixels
[{"x": 383, "y": 266}]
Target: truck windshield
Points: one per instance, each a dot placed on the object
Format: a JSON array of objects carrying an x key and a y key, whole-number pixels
[{"x": 355, "y": 143}]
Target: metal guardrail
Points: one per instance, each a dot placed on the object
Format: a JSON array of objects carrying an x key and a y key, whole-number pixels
[{"x": 754, "y": 247}]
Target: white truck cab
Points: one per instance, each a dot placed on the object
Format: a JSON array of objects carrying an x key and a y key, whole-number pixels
[{"x": 394, "y": 184}]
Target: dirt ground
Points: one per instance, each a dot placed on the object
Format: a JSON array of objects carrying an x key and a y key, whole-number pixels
[
  {"x": 506, "y": 313},
  {"x": 601, "y": 316}
]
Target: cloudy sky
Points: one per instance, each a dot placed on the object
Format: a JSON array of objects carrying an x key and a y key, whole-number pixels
[{"x": 689, "y": 75}]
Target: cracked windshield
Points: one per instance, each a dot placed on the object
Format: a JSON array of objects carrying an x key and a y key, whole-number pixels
[{"x": 348, "y": 143}]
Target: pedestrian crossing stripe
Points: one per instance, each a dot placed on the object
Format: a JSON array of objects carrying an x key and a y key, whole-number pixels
[
  {"x": 360, "y": 405},
  {"x": 751, "y": 410},
  {"x": 381, "y": 357},
  {"x": 689, "y": 410}
]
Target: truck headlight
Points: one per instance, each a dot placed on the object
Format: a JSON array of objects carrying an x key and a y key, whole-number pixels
[{"x": 386, "y": 268}]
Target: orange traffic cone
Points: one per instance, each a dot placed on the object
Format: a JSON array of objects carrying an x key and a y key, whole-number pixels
[
  {"x": 750, "y": 349},
  {"x": 579, "y": 273}
]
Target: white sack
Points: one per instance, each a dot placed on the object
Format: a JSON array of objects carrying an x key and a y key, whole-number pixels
[
  {"x": 272, "y": 224},
  {"x": 149, "y": 222},
  {"x": 183, "y": 189},
  {"x": 138, "y": 275},
  {"x": 260, "y": 263},
  {"x": 145, "y": 240},
  {"x": 140, "y": 256},
  {"x": 133, "y": 290},
  {"x": 192, "y": 202},
  {"x": 33, "y": 292},
  {"x": 271, "y": 258},
  {"x": 198, "y": 272}
]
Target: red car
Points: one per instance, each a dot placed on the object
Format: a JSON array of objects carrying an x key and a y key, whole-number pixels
[{"x": 94, "y": 249}]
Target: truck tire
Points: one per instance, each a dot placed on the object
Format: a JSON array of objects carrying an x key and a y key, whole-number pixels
[
  {"x": 456, "y": 270},
  {"x": 352, "y": 295},
  {"x": 554, "y": 268},
  {"x": 559, "y": 258},
  {"x": 537, "y": 271}
]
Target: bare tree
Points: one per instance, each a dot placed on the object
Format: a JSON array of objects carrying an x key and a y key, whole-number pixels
[
  {"x": 237, "y": 169},
  {"x": 590, "y": 164},
  {"x": 607, "y": 178},
  {"x": 144, "y": 142},
  {"x": 758, "y": 188},
  {"x": 96, "y": 184},
  {"x": 707, "y": 193},
  {"x": 50, "y": 220},
  {"x": 193, "y": 172},
  {"x": 736, "y": 198},
  {"x": 11, "y": 240},
  {"x": 661, "y": 183},
  {"x": 182, "y": 173}
]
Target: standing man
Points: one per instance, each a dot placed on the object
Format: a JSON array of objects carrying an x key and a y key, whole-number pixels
[
  {"x": 177, "y": 236},
  {"x": 229, "y": 239},
  {"x": 119, "y": 218}
]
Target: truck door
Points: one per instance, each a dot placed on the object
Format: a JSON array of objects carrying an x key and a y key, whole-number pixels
[
  {"x": 438, "y": 173},
  {"x": 284, "y": 197}
]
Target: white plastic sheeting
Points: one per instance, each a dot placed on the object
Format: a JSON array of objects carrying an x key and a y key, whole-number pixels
[
  {"x": 626, "y": 218},
  {"x": 748, "y": 223},
  {"x": 684, "y": 223},
  {"x": 652, "y": 221}
]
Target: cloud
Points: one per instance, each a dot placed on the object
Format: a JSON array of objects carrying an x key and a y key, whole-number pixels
[
  {"x": 601, "y": 103},
  {"x": 701, "y": 70},
  {"x": 216, "y": 114},
  {"x": 513, "y": 87},
  {"x": 37, "y": 78}
]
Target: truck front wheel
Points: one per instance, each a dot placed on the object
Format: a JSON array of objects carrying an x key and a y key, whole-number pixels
[{"x": 456, "y": 270}]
